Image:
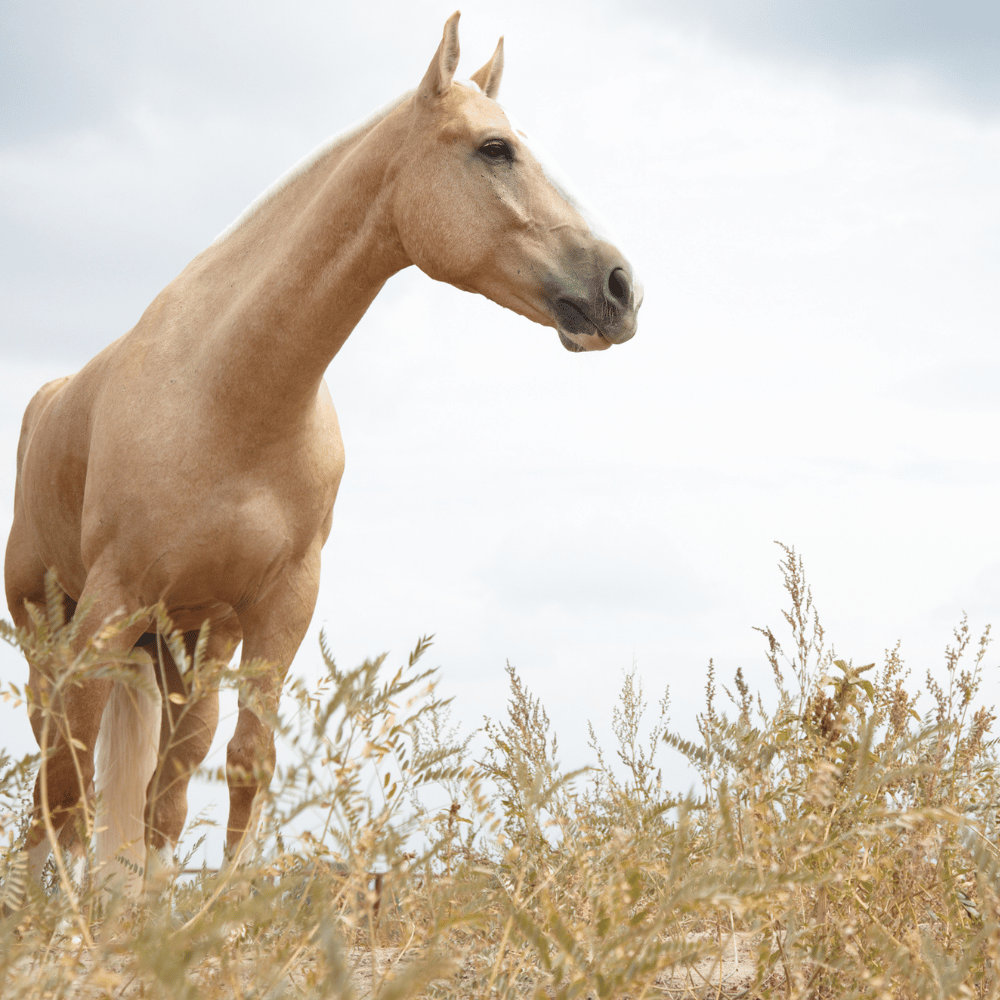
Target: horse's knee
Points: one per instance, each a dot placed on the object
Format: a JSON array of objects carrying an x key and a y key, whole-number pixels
[
  {"x": 183, "y": 748},
  {"x": 165, "y": 815},
  {"x": 181, "y": 753},
  {"x": 250, "y": 763}
]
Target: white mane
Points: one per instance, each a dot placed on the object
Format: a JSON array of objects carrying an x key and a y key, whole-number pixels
[
  {"x": 557, "y": 178},
  {"x": 304, "y": 164}
]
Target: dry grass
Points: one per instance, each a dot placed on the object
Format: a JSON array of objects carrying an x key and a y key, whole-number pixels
[{"x": 842, "y": 845}]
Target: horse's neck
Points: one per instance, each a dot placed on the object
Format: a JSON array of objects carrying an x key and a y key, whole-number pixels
[{"x": 287, "y": 283}]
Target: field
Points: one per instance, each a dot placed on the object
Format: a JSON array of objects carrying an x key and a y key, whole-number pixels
[{"x": 843, "y": 843}]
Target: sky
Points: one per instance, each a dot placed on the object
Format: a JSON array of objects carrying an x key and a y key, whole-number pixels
[{"x": 809, "y": 194}]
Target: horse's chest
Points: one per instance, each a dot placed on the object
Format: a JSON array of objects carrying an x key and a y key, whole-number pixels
[
  {"x": 197, "y": 532},
  {"x": 229, "y": 548}
]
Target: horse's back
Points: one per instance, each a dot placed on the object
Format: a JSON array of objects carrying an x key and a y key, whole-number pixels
[
  {"x": 57, "y": 419},
  {"x": 33, "y": 410},
  {"x": 24, "y": 569},
  {"x": 52, "y": 470}
]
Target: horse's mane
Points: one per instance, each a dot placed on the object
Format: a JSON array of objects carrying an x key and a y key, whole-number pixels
[{"x": 342, "y": 139}]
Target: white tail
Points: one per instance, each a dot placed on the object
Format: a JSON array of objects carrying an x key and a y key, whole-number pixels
[{"x": 127, "y": 747}]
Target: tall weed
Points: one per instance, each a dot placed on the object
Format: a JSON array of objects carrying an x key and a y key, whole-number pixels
[{"x": 842, "y": 842}]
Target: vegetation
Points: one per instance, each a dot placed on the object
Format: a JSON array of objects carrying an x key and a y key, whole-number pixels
[{"x": 842, "y": 844}]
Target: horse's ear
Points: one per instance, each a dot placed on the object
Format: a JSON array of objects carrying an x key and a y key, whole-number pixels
[
  {"x": 441, "y": 71},
  {"x": 488, "y": 76}
]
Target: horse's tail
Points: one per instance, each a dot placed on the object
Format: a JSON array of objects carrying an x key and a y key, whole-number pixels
[{"x": 127, "y": 748}]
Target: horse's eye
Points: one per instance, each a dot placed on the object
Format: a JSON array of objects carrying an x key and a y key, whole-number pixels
[{"x": 496, "y": 149}]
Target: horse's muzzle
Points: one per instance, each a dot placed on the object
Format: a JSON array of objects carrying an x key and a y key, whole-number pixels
[{"x": 608, "y": 315}]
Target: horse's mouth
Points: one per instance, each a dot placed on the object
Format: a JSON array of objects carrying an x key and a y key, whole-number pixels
[
  {"x": 600, "y": 344},
  {"x": 572, "y": 321}
]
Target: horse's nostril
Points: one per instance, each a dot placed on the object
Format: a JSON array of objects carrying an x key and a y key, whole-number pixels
[{"x": 619, "y": 288}]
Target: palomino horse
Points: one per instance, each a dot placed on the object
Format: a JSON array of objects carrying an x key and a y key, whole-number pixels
[{"x": 195, "y": 461}]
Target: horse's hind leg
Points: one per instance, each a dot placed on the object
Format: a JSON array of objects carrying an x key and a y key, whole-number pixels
[
  {"x": 186, "y": 731},
  {"x": 24, "y": 577},
  {"x": 66, "y": 720}
]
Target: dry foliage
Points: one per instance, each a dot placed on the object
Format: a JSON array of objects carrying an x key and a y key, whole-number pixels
[{"x": 842, "y": 845}]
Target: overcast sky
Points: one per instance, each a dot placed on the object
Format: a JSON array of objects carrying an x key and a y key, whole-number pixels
[{"x": 810, "y": 195}]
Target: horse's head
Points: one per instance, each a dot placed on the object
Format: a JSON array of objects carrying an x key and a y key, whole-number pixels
[{"x": 480, "y": 206}]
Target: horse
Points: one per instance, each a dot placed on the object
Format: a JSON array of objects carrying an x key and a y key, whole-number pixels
[{"x": 193, "y": 464}]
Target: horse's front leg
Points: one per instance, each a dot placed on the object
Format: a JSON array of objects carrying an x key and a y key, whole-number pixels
[
  {"x": 186, "y": 730},
  {"x": 273, "y": 630}
]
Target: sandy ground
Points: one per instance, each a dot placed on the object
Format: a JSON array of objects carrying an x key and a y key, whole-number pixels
[
  {"x": 371, "y": 970},
  {"x": 730, "y": 979}
]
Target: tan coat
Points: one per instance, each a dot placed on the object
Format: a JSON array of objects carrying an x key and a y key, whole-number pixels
[{"x": 196, "y": 460}]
